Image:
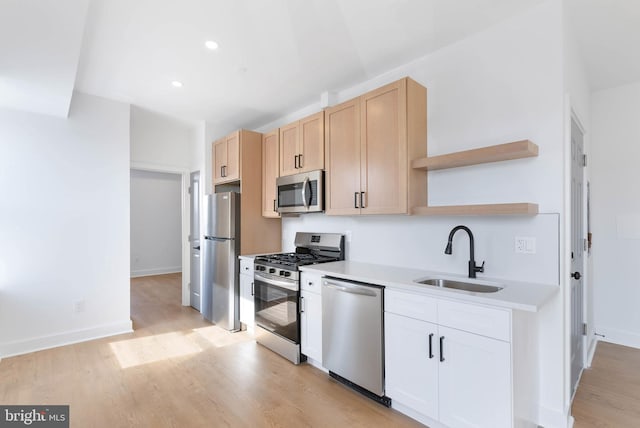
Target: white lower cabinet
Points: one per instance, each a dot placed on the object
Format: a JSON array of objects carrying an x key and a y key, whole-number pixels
[
  {"x": 474, "y": 380},
  {"x": 311, "y": 316},
  {"x": 460, "y": 379},
  {"x": 247, "y": 315},
  {"x": 411, "y": 373}
]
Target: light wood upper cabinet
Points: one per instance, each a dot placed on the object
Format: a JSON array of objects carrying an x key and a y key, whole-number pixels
[
  {"x": 302, "y": 145},
  {"x": 226, "y": 159},
  {"x": 219, "y": 153},
  {"x": 270, "y": 169},
  {"x": 241, "y": 155},
  {"x": 370, "y": 142},
  {"x": 343, "y": 155},
  {"x": 311, "y": 143}
]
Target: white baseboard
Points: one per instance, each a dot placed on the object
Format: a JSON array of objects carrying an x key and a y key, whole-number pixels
[
  {"x": 619, "y": 337},
  {"x": 11, "y": 349},
  {"x": 591, "y": 351},
  {"x": 551, "y": 418},
  {"x": 157, "y": 271}
]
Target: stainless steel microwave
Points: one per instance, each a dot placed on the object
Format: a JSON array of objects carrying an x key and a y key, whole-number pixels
[{"x": 301, "y": 193}]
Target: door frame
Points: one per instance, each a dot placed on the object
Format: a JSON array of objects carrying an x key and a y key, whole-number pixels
[{"x": 185, "y": 216}]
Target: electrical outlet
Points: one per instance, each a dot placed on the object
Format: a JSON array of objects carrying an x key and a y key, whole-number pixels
[
  {"x": 79, "y": 306},
  {"x": 525, "y": 245}
]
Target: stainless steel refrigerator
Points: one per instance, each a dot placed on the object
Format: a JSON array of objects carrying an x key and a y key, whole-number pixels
[{"x": 220, "y": 283}]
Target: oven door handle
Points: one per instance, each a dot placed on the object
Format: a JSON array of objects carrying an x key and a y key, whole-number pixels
[
  {"x": 304, "y": 192},
  {"x": 283, "y": 284}
]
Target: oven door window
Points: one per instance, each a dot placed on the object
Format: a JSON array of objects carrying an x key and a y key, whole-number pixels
[
  {"x": 276, "y": 310},
  {"x": 290, "y": 195}
]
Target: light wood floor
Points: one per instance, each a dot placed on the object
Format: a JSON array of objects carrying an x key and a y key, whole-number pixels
[
  {"x": 177, "y": 370},
  {"x": 609, "y": 391}
]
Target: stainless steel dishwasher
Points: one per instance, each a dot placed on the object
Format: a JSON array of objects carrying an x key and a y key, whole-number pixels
[{"x": 352, "y": 335}]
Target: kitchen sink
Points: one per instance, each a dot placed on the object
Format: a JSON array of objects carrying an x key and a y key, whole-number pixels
[{"x": 460, "y": 285}]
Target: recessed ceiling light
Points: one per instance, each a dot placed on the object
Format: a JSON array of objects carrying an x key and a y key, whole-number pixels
[
  {"x": 176, "y": 84},
  {"x": 210, "y": 44}
]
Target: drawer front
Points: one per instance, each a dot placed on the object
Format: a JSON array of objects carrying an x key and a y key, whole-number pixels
[
  {"x": 411, "y": 305},
  {"x": 476, "y": 319},
  {"x": 246, "y": 266},
  {"x": 310, "y": 282}
]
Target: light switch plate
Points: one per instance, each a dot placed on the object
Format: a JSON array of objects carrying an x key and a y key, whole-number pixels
[{"x": 525, "y": 245}]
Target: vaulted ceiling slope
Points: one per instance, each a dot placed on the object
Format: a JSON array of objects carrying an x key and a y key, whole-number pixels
[
  {"x": 40, "y": 43},
  {"x": 274, "y": 56}
]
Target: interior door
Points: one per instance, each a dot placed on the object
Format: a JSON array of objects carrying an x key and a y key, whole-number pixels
[
  {"x": 577, "y": 254},
  {"x": 194, "y": 240}
]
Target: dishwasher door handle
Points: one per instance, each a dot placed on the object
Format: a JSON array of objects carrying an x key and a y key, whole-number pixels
[{"x": 351, "y": 288}]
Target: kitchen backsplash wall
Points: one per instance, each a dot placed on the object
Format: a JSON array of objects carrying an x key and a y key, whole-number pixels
[{"x": 419, "y": 242}]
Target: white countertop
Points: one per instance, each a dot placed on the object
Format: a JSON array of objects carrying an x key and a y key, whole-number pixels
[{"x": 514, "y": 295}]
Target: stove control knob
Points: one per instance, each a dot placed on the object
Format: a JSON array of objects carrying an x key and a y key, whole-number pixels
[
  {"x": 271, "y": 270},
  {"x": 281, "y": 273},
  {"x": 260, "y": 268},
  {"x": 287, "y": 274}
]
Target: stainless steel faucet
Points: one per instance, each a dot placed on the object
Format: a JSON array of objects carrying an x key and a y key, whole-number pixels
[{"x": 472, "y": 263}]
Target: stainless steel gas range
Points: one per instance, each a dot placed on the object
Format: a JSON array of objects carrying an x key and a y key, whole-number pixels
[{"x": 277, "y": 290}]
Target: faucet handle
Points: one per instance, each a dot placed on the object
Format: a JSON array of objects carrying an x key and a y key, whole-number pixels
[{"x": 480, "y": 268}]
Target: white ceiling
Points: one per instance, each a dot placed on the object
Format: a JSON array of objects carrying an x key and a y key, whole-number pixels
[{"x": 275, "y": 55}]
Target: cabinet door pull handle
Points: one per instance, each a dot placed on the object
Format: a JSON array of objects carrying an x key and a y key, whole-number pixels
[
  {"x": 355, "y": 200},
  {"x": 430, "y": 345},
  {"x": 300, "y": 161},
  {"x": 253, "y": 290},
  {"x": 221, "y": 171},
  {"x": 362, "y": 205},
  {"x": 441, "y": 349},
  {"x": 295, "y": 162},
  {"x": 301, "y": 304},
  {"x": 274, "y": 206}
]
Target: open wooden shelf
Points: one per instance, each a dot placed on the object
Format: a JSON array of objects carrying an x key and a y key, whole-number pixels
[
  {"x": 497, "y": 153},
  {"x": 523, "y": 208}
]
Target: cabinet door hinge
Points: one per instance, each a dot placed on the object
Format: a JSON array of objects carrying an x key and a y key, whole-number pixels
[
  {"x": 584, "y": 328},
  {"x": 585, "y": 244},
  {"x": 584, "y": 160}
]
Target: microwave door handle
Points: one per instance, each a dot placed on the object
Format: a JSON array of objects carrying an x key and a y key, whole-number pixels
[{"x": 304, "y": 192}]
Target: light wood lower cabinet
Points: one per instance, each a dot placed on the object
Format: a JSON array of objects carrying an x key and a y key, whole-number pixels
[
  {"x": 311, "y": 317},
  {"x": 369, "y": 143},
  {"x": 270, "y": 172},
  {"x": 459, "y": 378}
]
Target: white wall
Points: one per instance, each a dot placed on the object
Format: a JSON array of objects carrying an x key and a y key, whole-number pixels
[
  {"x": 161, "y": 140},
  {"x": 156, "y": 228},
  {"x": 64, "y": 225},
  {"x": 501, "y": 85},
  {"x": 616, "y": 212}
]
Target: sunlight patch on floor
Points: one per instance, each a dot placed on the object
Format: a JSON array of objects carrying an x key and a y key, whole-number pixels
[
  {"x": 219, "y": 337},
  {"x": 150, "y": 349}
]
